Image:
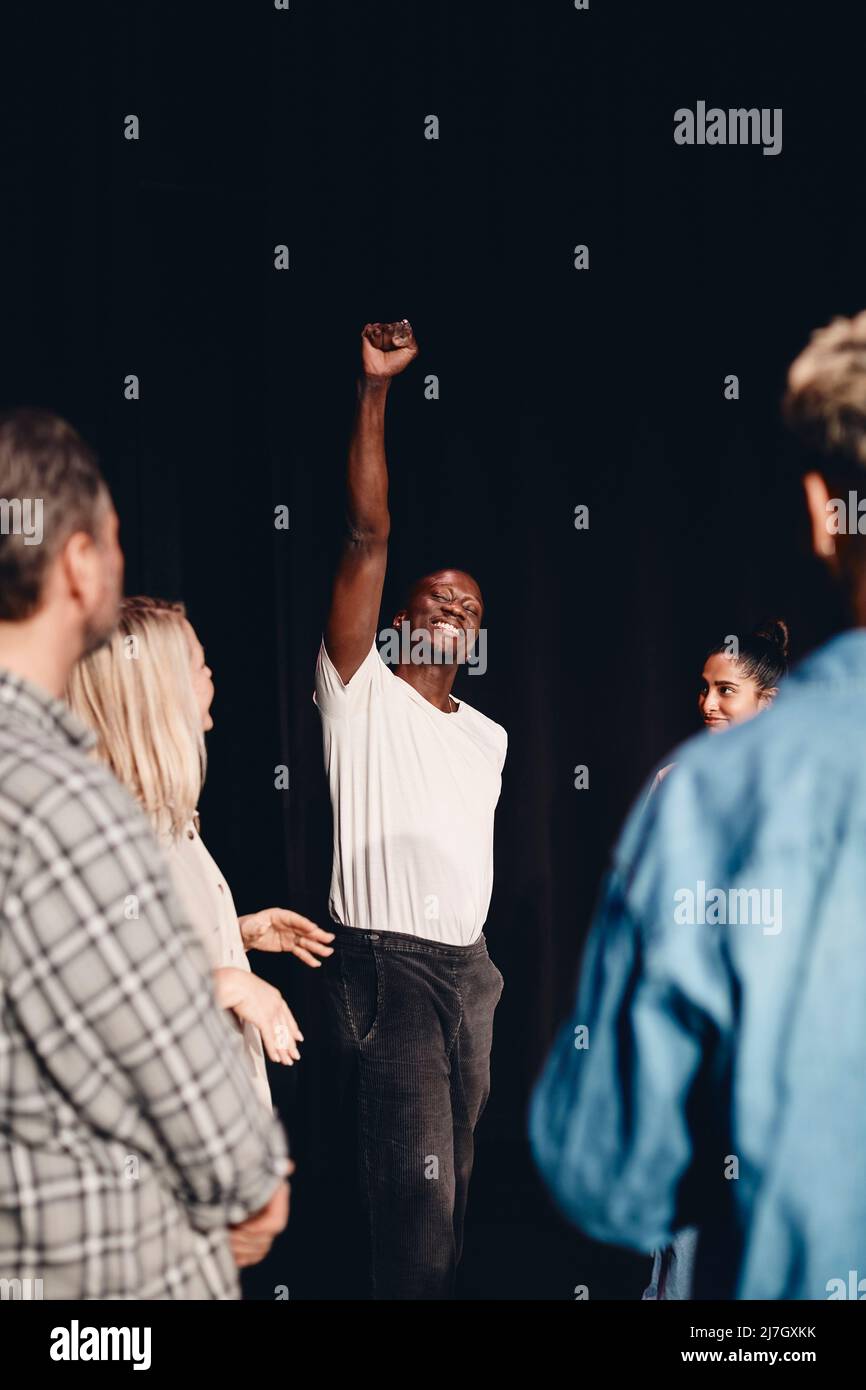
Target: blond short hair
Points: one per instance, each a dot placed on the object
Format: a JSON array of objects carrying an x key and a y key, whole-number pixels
[
  {"x": 825, "y": 401},
  {"x": 136, "y": 693}
]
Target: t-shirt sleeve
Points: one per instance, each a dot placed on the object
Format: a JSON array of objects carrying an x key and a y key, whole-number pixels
[{"x": 338, "y": 699}]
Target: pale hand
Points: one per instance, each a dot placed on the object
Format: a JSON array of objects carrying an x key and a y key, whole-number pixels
[
  {"x": 280, "y": 929},
  {"x": 251, "y": 1240},
  {"x": 266, "y": 1009}
]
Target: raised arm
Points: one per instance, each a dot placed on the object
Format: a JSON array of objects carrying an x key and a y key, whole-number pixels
[{"x": 386, "y": 350}]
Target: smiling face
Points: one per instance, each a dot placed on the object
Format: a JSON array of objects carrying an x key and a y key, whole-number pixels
[
  {"x": 448, "y": 606},
  {"x": 727, "y": 695}
]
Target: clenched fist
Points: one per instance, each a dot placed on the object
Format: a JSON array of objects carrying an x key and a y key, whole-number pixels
[{"x": 387, "y": 349}]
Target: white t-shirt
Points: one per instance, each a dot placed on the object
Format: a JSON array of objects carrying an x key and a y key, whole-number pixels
[{"x": 414, "y": 790}]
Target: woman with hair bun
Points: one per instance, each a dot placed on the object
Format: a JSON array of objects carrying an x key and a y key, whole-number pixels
[{"x": 740, "y": 678}]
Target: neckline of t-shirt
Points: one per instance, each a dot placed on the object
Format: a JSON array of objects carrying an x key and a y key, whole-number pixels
[{"x": 416, "y": 695}]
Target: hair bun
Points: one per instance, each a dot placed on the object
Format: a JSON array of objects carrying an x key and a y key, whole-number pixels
[{"x": 775, "y": 631}]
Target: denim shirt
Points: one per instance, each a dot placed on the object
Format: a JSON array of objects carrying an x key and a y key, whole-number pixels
[{"x": 714, "y": 1070}]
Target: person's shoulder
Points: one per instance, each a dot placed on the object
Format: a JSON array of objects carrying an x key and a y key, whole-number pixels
[
  {"x": 485, "y": 719},
  {"x": 33, "y": 761},
  {"x": 719, "y": 761},
  {"x": 333, "y": 695},
  {"x": 482, "y": 723},
  {"x": 64, "y": 789}
]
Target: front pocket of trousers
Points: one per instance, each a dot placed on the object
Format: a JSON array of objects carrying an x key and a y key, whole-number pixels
[{"x": 362, "y": 992}]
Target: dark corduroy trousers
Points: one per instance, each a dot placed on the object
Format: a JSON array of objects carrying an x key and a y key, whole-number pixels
[{"x": 409, "y": 1026}]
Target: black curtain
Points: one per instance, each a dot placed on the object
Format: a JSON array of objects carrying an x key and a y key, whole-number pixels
[{"x": 557, "y": 387}]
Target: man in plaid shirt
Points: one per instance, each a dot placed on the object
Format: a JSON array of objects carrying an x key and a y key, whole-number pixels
[{"x": 136, "y": 1161}]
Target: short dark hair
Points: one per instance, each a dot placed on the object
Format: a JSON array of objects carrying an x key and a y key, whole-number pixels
[{"x": 44, "y": 460}]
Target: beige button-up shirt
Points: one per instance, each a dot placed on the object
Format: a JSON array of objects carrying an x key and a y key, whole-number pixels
[{"x": 207, "y": 898}]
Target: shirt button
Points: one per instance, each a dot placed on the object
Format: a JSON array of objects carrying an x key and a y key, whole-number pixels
[{"x": 374, "y": 936}]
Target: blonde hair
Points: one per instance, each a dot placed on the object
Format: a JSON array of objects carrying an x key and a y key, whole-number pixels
[
  {"x": 136, "y": 693},
  {"x": 825, "y": 401}
]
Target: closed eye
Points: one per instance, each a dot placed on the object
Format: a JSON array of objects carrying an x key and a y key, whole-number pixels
[{"x": 470, "y": 606}]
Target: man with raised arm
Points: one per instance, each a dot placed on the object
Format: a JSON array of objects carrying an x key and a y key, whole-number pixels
[{"x": 414, "y": 776}]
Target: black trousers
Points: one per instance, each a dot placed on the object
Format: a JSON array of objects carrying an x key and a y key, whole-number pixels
[{"x": 409, "y": 1027}]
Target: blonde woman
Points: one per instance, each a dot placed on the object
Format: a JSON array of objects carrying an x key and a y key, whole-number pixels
[{"x": 147, "y": 695}]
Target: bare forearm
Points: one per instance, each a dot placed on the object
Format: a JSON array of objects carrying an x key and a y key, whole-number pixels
[
  {"x": 386, "y": 350},
  {"x": 229, "y": 985},
  {"x": 367, "y": 473}
]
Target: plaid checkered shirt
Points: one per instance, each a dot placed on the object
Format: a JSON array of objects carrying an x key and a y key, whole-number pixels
[{"x": 130, "y": 1136}]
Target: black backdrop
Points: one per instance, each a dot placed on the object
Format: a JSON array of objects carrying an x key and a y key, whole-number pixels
[{"x": 558, "y": 387}]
